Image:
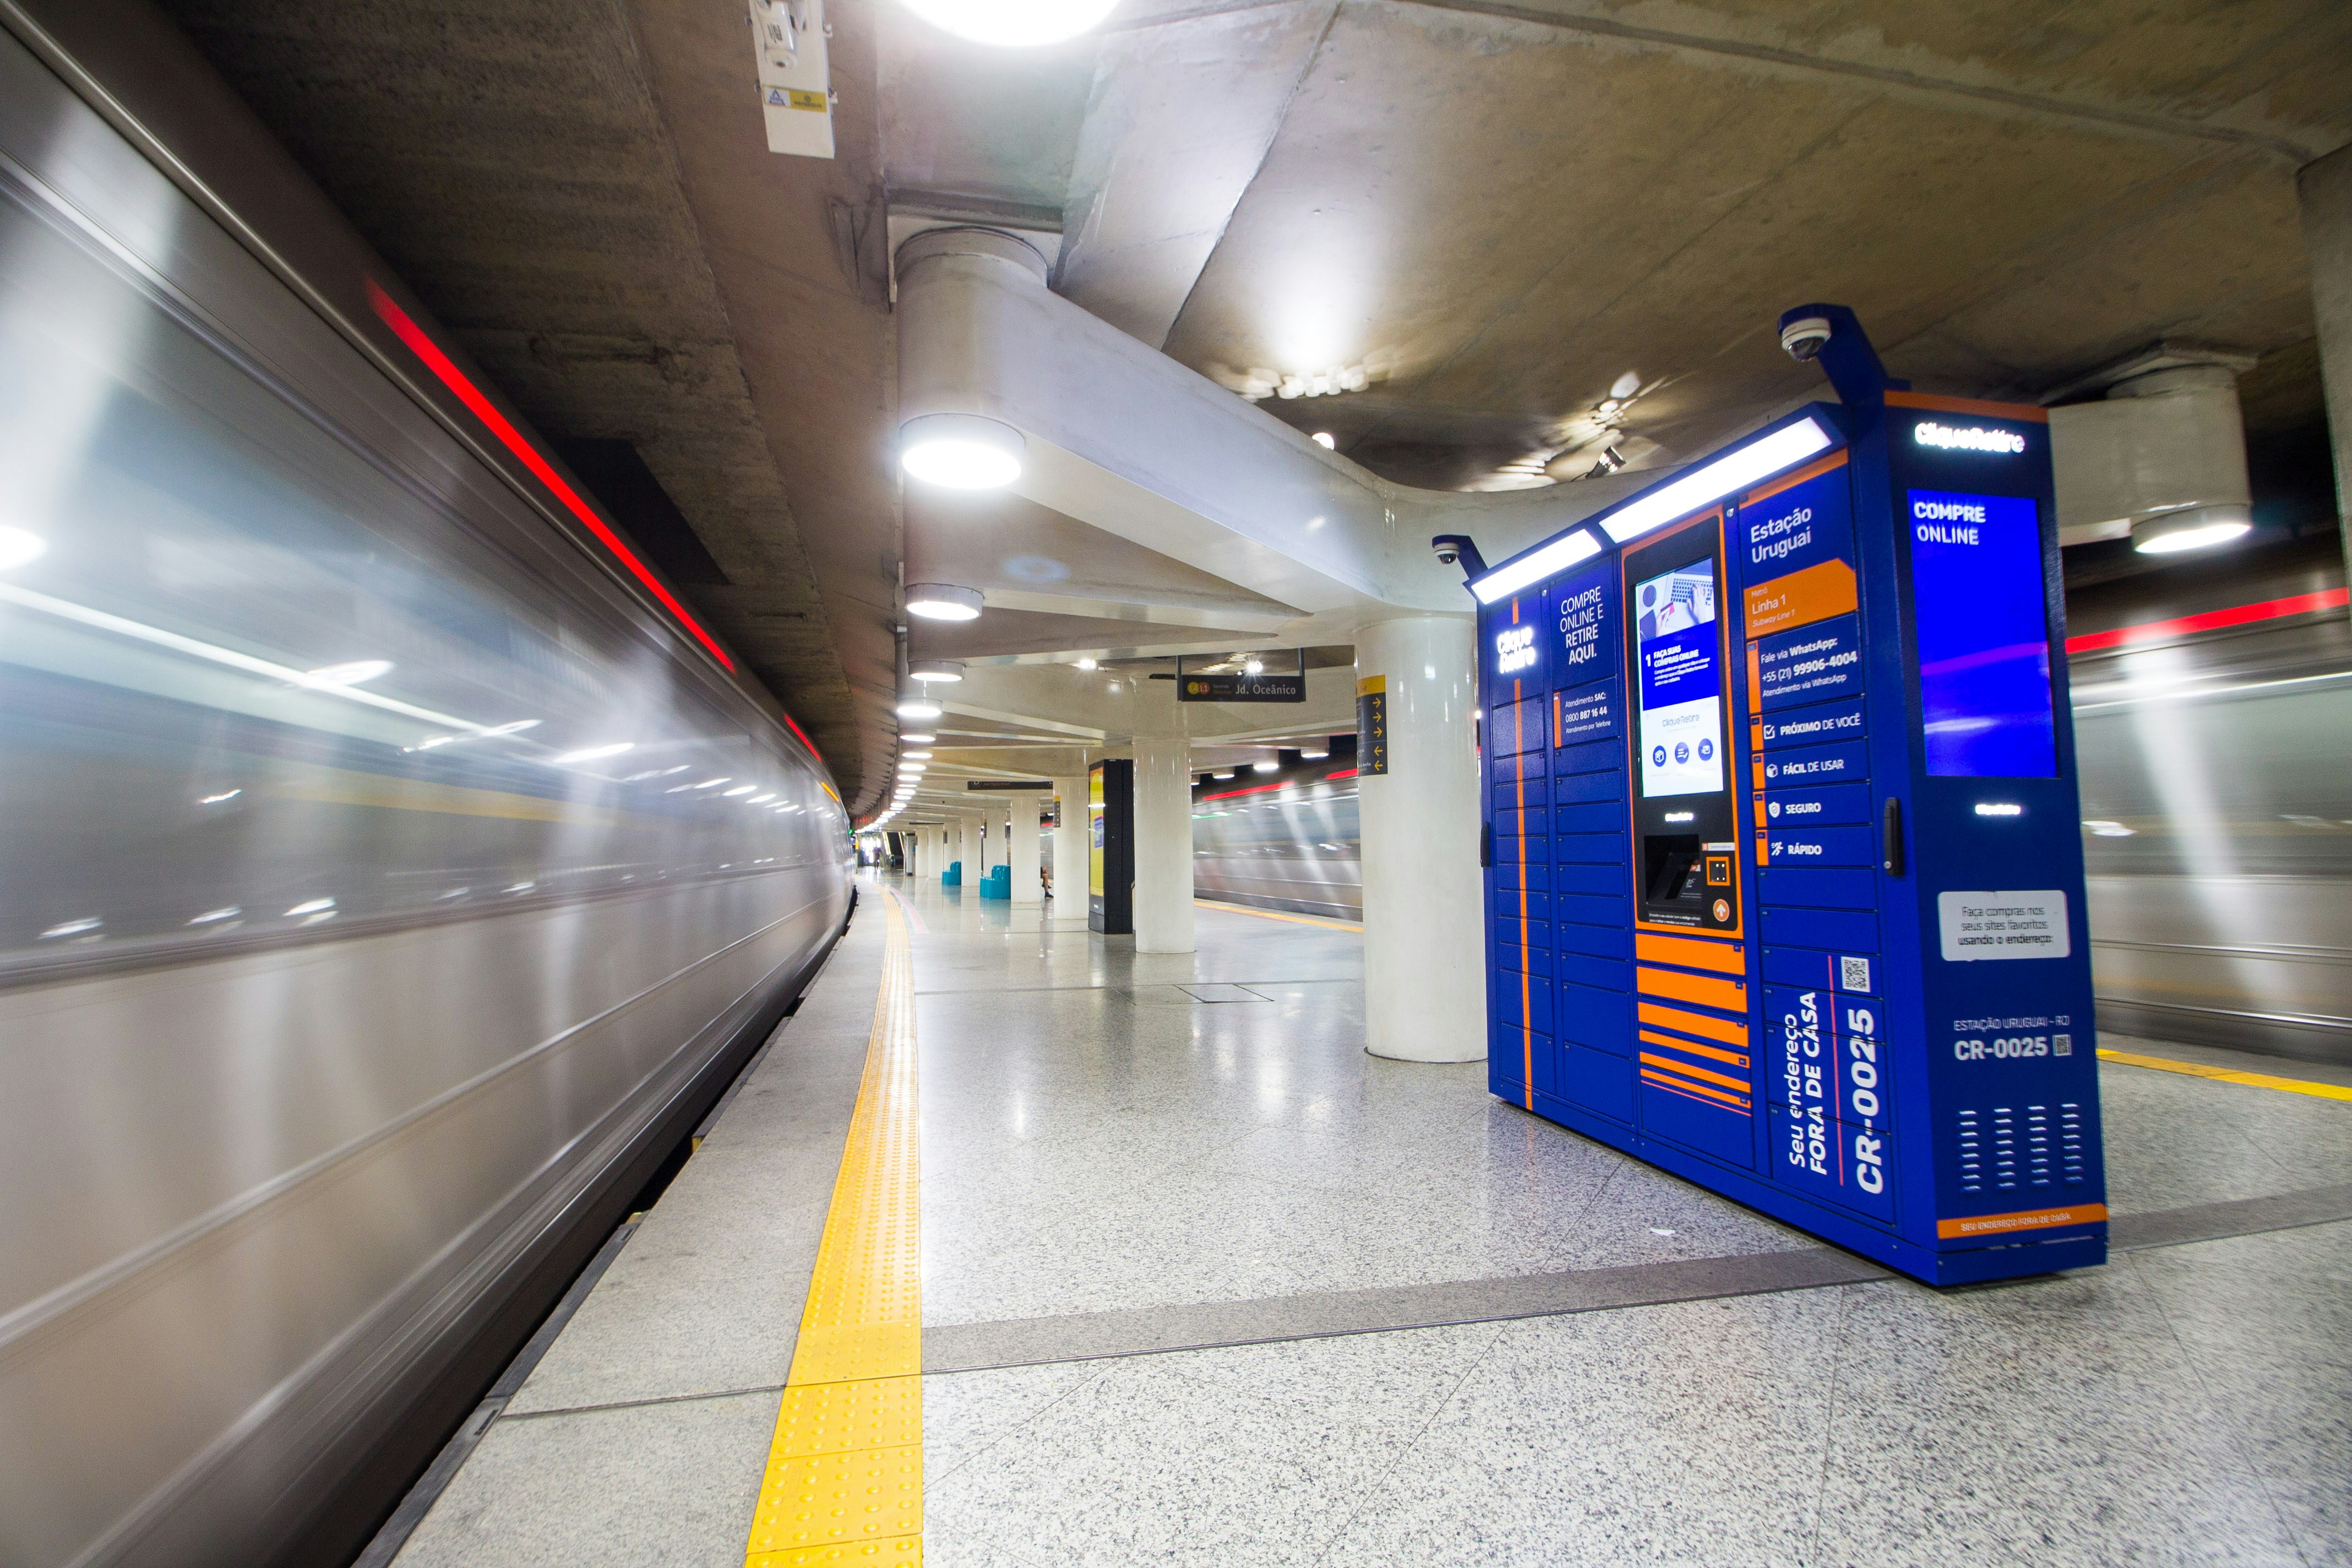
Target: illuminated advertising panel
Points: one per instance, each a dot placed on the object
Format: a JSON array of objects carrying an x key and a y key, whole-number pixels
[
  {"x": 1979, "y": 603},
  {"x": 1681, "y": 682}
]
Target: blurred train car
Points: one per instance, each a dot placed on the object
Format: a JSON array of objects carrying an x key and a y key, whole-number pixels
[
  {"x": 391, "y": 879},
  {"x": 2213, "y": 720},
  {"x": 1282, "y": 840}
]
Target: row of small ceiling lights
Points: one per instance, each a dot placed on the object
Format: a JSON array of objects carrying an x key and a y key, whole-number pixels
[
  {"x": 1266, "y": 764},
  {"x": 963, "y": 451}
]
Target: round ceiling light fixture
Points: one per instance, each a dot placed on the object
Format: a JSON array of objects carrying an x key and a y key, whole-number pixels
[
  {"x": 960, "y": 451},
  {"x": 909, "y": 737},
  {"x": 1325, "y": 439},
  {"x": 18, "y": 545},
  {"x": 936, "y": 671},
  {"x": 2189, "y": 528},
  {"x": 943, "y": 602},
  {"x": 1089, "y": 664},
  {"x": 915, "y": 705},
  {"x": 1267, "y": 766},
  {"x": 1012, "y": 23}
]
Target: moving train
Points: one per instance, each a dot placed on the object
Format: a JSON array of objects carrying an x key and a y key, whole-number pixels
[
  {"x": 393, "y": 876},
  {"x": 2216, "y": 799}
]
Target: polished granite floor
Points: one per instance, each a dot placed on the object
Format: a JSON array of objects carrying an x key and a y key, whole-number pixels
[{"x": 1100, "y": 1137}]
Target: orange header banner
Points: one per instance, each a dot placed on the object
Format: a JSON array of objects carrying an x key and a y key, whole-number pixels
[{"x": 1801, "y": 598}]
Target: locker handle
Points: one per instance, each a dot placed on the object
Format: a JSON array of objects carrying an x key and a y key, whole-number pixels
[
  {"x": 1485, "y": 844},
  {"x": 1891, "y": 836}
]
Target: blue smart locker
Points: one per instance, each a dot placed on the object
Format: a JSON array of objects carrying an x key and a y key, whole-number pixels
[{"x": 1785, "y": 874}]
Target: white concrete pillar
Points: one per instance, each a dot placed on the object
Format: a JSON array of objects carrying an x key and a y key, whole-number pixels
[
  {"x": 2325, "y": 189},
  {"x": 1163, "y": 844},
  {"x": 1020, "y": 849},
  {"x": 1424, "y": 953},
  {"x": 1071, "y": 845},
  {"x": 965, "y": 848}
]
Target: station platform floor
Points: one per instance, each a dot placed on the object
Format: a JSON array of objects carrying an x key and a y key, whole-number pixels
[{"x": 1203, "y": 1283}]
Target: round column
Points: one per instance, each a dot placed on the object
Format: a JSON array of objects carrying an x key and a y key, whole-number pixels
[
  {"x": 1425, "y": 948},
  {"x": 1163, "y": 844},
  {"x": 1070, "y": 845},
  {"x": 2324, "y": 186},
  {"x": 1020, "y": 850}
]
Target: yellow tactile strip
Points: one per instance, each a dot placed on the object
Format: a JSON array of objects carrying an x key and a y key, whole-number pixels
[
  {"x": 844, "y": 1478},
  {"x": 2229, "y": 1074}
]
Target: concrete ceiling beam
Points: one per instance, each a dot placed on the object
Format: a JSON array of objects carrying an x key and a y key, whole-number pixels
[{"x": 1124, "y": 439}]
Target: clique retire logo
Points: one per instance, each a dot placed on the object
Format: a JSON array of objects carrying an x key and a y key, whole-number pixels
[
  {"x": 1515, "y": 650},
  {"x": 1973, "y": 439}
]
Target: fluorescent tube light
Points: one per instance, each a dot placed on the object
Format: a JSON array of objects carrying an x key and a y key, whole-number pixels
[{"x": 1553, "y": 558}]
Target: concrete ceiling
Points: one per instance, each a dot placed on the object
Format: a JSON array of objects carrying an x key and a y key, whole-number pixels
[
  {"x": 1478, "y": 216},
  {"x": 582, "y": 194}
]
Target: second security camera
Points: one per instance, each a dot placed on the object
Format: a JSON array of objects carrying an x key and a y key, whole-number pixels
[{"x": 1805, "y": 338}]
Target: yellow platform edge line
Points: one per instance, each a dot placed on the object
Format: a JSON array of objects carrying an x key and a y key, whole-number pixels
[
  {"x": 843, "y": 1483},
  {"x": 1273, "y": 915},
  {"x": 2230, "y": 1075}
]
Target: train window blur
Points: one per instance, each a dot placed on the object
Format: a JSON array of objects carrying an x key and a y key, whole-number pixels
[
  {"x": 255, "y": 685},
  {"x": 1979, "y": 604}
]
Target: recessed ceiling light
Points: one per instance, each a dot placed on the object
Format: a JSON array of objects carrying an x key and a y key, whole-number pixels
[
  {"x": 19, "y": 545},
  {"x": 1088, "y": 663},
  {"x": 1626, "y": 385},
  {"x": 2189, "y": 528},
  {"x": 1266, "y": 767},
  {"x": 943, "y": 602},
  {"x": 960, "y": 451},
  {"x": 1012, "y": 24}
]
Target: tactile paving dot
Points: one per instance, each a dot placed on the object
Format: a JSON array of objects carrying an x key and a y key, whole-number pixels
[
  {"x": 898, "y": 1551},
  {"x": 825, "y": 1499},
  {"x": 836, "y": 1418}
]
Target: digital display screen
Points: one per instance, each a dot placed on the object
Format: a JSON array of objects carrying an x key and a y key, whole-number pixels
[
  {"x": 1979, "y": 604},
  {"x": 1681, "y": 682}
]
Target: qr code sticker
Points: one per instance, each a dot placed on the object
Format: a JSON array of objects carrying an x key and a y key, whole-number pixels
[
  {"x": 1853, "y": 973},
  {"x": 2062, "y": 1045}
]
